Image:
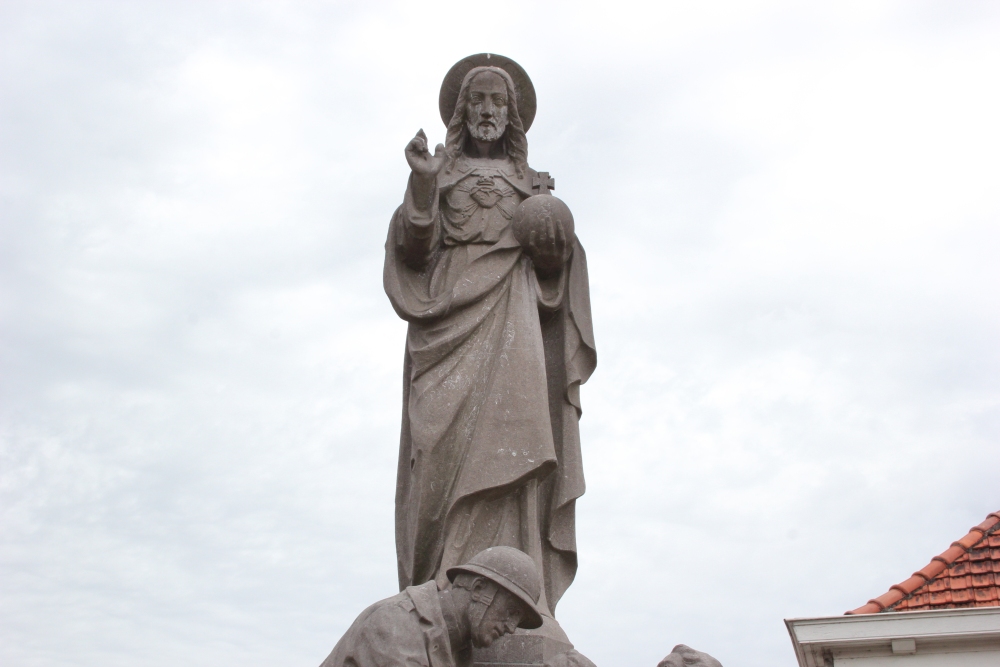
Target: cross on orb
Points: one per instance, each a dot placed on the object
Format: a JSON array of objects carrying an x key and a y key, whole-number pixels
[{"x": 542, "y": 183}]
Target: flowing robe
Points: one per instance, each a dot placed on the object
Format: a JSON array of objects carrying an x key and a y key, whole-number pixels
[{"x": 489, "y": 446}]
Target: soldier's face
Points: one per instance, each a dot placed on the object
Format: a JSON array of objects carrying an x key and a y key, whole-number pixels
[
  {"x": 501, "y": 618},
  {"x": 486, "y": 110}
]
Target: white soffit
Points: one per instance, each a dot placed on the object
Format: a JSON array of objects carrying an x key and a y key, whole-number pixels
[{"x": 935, "y": 631}]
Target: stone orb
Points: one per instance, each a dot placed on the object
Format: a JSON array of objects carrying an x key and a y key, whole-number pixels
[{"x": 543, "y": 225}]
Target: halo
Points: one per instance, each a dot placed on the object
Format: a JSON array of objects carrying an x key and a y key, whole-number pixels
[{"x": 523, "y": 88}]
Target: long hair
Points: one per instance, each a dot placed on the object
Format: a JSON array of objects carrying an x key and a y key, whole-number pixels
[{"x": 515, "y": 142}]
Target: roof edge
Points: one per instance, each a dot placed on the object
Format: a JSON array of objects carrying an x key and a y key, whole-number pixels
[{"x": 938, "y": 564}]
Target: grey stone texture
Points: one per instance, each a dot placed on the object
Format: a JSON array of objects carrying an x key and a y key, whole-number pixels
[
  {"x": 491, "y": 596},
  {"x": 483, "y": 263},
  {"x": 498, "y": 343},
  {"x": 523, "y": 649},
  {"x": 685, "y": 656}
]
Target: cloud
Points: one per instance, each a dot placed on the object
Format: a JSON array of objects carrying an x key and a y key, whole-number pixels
[{"x": 790, "y": 224}]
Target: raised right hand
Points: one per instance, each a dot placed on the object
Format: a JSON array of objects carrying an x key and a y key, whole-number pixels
[{"x": 420, "y": 159}]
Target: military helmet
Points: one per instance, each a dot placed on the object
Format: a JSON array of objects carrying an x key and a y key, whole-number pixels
[{"x": 514, "y": 571}]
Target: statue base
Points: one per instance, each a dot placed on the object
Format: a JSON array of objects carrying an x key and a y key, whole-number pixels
[
  {"x": 524, "y": 647},
  {"x": 518, "y": 649}
]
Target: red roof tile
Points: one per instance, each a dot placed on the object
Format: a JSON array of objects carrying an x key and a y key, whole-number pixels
[{"x": 967, "y": 574}]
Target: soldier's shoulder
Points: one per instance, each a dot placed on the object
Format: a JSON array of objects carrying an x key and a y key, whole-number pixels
[
  {"x": 389, "y": 620},
  {"x": 386, "y": 633}
]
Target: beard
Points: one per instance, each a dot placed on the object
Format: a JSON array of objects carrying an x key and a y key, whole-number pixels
[{"x": 488, "y": 130}]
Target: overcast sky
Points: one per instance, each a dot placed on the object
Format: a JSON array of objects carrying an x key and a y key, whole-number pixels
[{"x": 792, "y": 221}]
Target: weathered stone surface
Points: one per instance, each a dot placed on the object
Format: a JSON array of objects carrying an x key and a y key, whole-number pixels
[
  {"x": 522, "y": 648},
  {"x": 485, "y": 266},
  {"x": 685, "y": 656},
  {"x": 498, "y": 343},
  {"x": 492, "y": 595},
  {"x": 545, "y": 217}
]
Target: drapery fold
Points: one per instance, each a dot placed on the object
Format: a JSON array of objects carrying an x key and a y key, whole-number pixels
[{"x": 489, "y": 445}]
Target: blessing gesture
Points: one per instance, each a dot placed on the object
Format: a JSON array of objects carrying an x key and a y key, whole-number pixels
[{"x": 421, "y": 162}]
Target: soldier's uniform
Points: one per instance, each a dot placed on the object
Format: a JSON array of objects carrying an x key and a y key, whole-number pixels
[{"x": 406, "y": 630}]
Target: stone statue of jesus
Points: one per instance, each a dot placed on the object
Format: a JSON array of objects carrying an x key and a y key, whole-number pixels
[{"x": 499, "y": 341}]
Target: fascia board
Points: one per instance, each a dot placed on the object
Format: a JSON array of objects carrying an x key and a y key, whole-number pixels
[
  {"x": 810, "y": 636},
  {"x": 927, "y": 624}
]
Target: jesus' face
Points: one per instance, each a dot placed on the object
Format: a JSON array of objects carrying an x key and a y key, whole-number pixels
[{"x": 486, "y": 110}]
